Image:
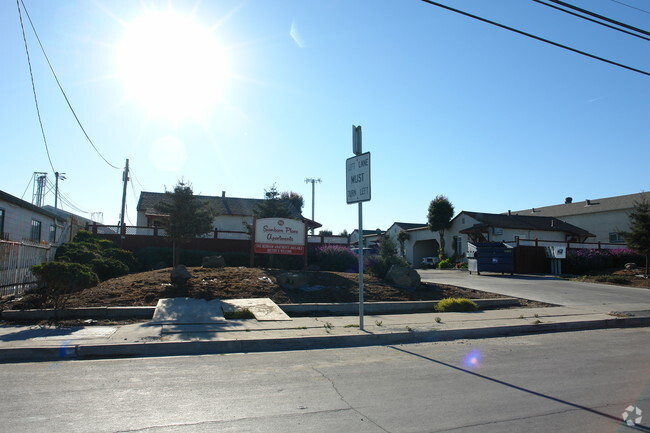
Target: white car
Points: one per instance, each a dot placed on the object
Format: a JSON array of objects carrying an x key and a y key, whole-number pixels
[{"x": 430, "y": 262}]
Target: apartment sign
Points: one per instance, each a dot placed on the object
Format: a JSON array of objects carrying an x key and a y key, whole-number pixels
[
  {"x": 357, "y": 178},
  {"x": 280, "y": 236}
]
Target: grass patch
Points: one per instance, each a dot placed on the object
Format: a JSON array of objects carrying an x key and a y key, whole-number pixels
[
  {"x": 351, "y": 325},
  {"x": 455, "y": 305},
  {"x": 238, "y": 314}
]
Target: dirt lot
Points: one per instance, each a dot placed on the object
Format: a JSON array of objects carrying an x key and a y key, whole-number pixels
[
  {"x": 144, "y": 289},
  {"x": 624, "y": 277}
]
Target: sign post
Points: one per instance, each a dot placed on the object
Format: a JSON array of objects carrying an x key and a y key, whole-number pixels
[{"x": 357, "y": 170}]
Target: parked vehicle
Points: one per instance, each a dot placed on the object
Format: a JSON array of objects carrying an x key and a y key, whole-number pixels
[{"x": 430, "y": 262}]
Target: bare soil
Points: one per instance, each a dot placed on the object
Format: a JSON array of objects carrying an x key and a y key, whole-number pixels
[{"x": 145, "y": 288}]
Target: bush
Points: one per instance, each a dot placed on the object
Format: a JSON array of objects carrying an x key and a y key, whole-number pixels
[
  {"x": 379, "y": 266},
  {"x": 335, "y": 258},
  {"x": 455, "y": 304},
  {"x": 581, "y": 261},
  {"x": 149, "y": 257},
  {"x": 62, "y": 279},
  {"x": 446, "y": 264},
  {"x": 124, "y": 256},
  {"x": 107, "y": 268}
]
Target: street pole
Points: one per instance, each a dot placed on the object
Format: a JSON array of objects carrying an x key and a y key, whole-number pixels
[
  {"x": 361, "y": 266},
  {"x": 56, "y": 201},
  {"x": 313, "y": 198},
  {"x": 125, "y": 179}
]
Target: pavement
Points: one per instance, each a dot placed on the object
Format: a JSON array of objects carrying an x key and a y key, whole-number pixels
[{"x": 188, "y": 334}]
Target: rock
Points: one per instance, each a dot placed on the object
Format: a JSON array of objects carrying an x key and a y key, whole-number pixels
[
  {"x": 180, "y": 275},
  {"x": 292, "y": 280},
  {"x": 403, "y": 276},
  {"x": 630, "y": 266},
  {"x": 213, "y": 262}
]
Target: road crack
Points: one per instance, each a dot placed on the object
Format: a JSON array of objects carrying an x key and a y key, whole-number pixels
[{"x": 334, "y": 387}]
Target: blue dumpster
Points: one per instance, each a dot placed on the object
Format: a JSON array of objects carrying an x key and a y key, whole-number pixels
[{"x": 490, "y": 257}]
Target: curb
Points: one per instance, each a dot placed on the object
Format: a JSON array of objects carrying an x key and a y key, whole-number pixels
[
  {"x": 341, "y": 309},
  {"x": 156, "y": 349}
]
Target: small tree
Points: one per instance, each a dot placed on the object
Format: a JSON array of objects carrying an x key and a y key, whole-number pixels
[
  {"x": 187, "y": 216},
  {"x": 274, "y": 206},
  {"x": 402, "y": 237},
  {"x": 294, "y": 198},
  {"x": 638, "y": 237},
  {"x": 439, "y": 219},
  {"x": 325, "y": 233}
]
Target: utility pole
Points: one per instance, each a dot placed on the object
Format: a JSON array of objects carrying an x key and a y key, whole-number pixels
[
  {"x": 38, "y": 191},
  {"x": 57, "y": 176},
  {"x": 125, "y": 179},
  {"x": 313, "y": 190}
]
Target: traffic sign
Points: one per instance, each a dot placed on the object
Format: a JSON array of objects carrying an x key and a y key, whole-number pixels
[{"x": 357, "y": 171}]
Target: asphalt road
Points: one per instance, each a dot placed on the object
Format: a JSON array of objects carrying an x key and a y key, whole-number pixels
[
  {"x": 545, "y": 289},
  {"x": 569, "y": 382}
]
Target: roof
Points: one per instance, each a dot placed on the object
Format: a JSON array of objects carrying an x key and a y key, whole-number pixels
[
  {"x": 608, "y": 204},
  {"x": 64, "y": 214},
  {"x": 408, "y": 226},
  {"x": 25, "y": 204},
  {"x": 233, "y": 206},
  {"x": 521, "y": 222}
]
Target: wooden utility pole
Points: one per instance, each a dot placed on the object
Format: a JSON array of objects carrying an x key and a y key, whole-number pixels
[{"x": 125, "y": 180}]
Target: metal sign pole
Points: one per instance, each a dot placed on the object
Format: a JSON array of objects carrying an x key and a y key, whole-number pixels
[{"x": 361, "y": 266}]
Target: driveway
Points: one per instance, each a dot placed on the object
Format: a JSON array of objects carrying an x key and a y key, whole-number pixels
[{"x": 546, "y": 289}]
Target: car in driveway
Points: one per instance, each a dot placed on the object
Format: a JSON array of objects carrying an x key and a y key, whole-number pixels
[{"x": 430, "y": 262}]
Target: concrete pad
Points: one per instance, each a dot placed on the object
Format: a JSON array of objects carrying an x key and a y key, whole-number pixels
[
  {"x": 89, "y": 333},
  {"x": 264, "y": 309},
  {"x": 188, "y": 310}
]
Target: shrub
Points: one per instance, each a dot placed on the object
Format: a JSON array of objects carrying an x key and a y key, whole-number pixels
[
  {"x": 446, "y": 264},
  {"x": 62, "y": 279},
  {"x": 455, "y": 304},
  {"x": 379, "y": 266},
  {"x": 581, "y": 261},
  {"x": 335, "y": 258},
  {"x": 107, "y": 268},
  {"x": 125, "y": 256}
]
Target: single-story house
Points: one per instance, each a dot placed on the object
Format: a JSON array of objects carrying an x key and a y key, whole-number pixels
[
  {"x": 479, "y": 226},
  {"x": 233, "y": 214},
  {"x": 22, "y": 221},
  {"x": 606, "y": 217}
]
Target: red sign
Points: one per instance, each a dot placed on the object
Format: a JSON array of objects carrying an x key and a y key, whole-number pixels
[{"x": 279, "y": 236}]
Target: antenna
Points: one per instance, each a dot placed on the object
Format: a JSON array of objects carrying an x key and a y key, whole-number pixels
[
  {"x": 38, "y": 191},
  {"x": 313, "y": 190}
]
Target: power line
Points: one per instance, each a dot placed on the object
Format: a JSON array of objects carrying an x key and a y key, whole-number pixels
[
  {"x": 65, "y": 96},
  {"x": 592, "y": 20},
  {"x": 630, "y": 6},
  {"x": 494, "y": 23},
  {"x": 31, "y": 74},
  {"x": 601, "y": 17}
]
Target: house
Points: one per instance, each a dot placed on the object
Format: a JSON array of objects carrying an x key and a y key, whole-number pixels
[
  {"x": 73, "y": 223},
  {"x": 371, "y": 238},
  {"x": 21, "y": 221},
  {"x": 479, "y": 226},
  {"x": 398, "y": 227},
  {"x": 606, "y": 218},
  {"x": 233, "y": 214}
]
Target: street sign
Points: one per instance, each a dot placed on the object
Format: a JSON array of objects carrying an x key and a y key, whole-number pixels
[{"x": 357, "y": 183}]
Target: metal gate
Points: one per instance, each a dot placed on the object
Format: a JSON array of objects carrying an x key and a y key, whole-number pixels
[{"x": 16, "y": 260}]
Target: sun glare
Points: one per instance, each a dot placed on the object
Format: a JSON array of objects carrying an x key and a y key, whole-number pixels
[{"x": 171, "y": 65}]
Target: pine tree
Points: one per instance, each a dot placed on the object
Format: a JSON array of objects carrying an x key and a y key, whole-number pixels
[
  {"x": 638, "y": 237},
  {"x": 186, "y": 216}
]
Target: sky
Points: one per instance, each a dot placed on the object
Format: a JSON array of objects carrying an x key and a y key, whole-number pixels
[{"x": 239, "y": 95}]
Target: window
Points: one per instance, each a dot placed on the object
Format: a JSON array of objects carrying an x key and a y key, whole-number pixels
[
  {"x": 35, "y": 233},
  {"x": 52, "y": 233},
  {"x": 616, "y": 238}
]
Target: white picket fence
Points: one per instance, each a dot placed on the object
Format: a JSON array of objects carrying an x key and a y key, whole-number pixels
[{"x": 16, "y": 260}]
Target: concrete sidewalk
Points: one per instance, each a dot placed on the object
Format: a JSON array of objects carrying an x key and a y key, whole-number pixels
[{"x": 44, "y": 343}]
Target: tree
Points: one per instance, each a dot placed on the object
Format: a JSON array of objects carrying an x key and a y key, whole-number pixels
[
  {"x": 325, "y": 233},
  {"x": 638, "y": 237},
  {"x": 344, "y": 233},
  {"x": 274, "y": 206},
  {"x": 439, "y": 219},
  {"x": 186, "y": 216},
  {"x": 402, "y": 237},
  {"x": 294, "y": 198}
]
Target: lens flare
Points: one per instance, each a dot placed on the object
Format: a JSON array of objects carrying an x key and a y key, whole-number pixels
[{"x": 473, "y": 359}]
